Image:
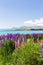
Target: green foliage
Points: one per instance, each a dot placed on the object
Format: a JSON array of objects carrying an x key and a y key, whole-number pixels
[
  {"x": 27, "y": 55},
  {"x": 40, "y": 37},
  {"x": 6, "y": 51}
]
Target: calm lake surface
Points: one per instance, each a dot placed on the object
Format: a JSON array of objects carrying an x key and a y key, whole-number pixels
[{"x": 4, "y": 32}]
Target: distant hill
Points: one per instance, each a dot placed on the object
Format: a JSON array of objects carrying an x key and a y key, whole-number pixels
[{"x": 27, "y": 28}]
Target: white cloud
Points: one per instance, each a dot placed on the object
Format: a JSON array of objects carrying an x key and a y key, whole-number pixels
[{"x": 36, "y": 22}]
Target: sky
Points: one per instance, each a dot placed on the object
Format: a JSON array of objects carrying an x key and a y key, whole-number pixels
[{"x": 16, "y": 13}]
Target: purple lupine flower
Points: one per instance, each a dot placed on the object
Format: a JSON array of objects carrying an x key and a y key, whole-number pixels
[
  {"x": 14, "y": 38},
  {"x": 9, "y": 36},
  {"x": 42, "y": 46},
  {"x": 35, "y": 35},
  {"x": 5, "y": 39},
  {"x": 27, "y": 35},
  {"x": 0, "y": 37},
  {"x": 17, "y": 41},
  {"x": 22, "y": 41}
]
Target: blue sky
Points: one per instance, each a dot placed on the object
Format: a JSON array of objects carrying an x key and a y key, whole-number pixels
[{"x": 16, "y": 13}]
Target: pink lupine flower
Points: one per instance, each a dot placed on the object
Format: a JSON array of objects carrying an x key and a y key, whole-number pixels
[
  {"x": 42, "y": 47},
  {"x": 22, "y": 41},
  {"x": 18, "y": 43},
  {"x": 15, "y": 44},
  {"x": 42, "y": 50},
  {"x": 28, "y": 40},
  {"x": 0, "y": 43}
]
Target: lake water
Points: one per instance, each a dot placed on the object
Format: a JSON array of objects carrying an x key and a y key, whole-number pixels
[{"x": 4, "y": 32}]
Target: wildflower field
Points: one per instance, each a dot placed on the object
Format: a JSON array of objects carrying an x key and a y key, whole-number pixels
[{"x": 19, "y": 49}]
